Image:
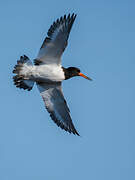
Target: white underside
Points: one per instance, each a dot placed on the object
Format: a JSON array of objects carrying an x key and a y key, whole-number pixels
[{"x": 43, "y": 73}]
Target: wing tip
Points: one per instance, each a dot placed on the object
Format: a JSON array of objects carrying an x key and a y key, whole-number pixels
[
  {"x": 75, "y": 132},
  {"x": 69, "y": 16},
  {"x": 70, "y": 129}
]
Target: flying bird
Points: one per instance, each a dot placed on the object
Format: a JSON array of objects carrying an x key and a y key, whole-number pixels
[{"x": 48, "y": 73}]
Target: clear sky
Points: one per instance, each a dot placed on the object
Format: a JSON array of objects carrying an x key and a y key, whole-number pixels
[{"x": 102, "y": 45}]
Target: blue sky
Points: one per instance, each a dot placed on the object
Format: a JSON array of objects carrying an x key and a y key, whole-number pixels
[{"x": 101, "y": 44}]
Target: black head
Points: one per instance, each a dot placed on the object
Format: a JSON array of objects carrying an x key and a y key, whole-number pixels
[{"x": 73, "y": 71}]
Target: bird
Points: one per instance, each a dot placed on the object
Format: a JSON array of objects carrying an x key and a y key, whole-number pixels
[{"x": 47, "y": 72}]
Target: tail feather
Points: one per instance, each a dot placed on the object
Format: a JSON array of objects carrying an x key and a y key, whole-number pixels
[{"x": 20, "y": 80}]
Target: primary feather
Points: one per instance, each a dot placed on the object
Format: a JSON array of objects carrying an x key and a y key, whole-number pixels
[{"x": 56, "y": 41}]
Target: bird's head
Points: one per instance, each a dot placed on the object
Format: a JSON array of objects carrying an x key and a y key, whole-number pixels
[{"x": 73, "y": 71}]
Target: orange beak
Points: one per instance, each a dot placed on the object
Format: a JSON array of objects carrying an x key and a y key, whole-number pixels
[{"x": 81, "y": 74}]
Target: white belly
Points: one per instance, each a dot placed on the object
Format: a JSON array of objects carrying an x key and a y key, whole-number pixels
[{"x": 48, "y": 72}]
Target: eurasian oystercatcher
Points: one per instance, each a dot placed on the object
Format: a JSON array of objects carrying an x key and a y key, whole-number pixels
[{"x": 48, "y": 73}]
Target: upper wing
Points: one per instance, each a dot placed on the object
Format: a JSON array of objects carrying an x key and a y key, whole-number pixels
[
  {"x": 56, "y": 42},
  {"x": 56, "y": 105}
]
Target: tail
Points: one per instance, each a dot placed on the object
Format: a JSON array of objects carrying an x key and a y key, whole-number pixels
[{"x": 21, "y": 80}]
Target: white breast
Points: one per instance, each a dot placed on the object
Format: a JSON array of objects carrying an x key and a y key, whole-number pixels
[{"x": 48, "y": 72}]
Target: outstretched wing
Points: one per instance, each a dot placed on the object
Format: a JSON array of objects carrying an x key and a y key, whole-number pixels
[
  {"x": 56, "y": 105},
  {"x": 56, "y": 41}
]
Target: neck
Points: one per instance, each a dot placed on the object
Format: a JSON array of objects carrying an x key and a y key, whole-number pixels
[{"x": 66, "y": 73}]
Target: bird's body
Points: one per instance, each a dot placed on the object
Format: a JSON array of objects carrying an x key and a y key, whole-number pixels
[
  {"x": 48, "y": 73},
  {"x": 43, "y": 73}
]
